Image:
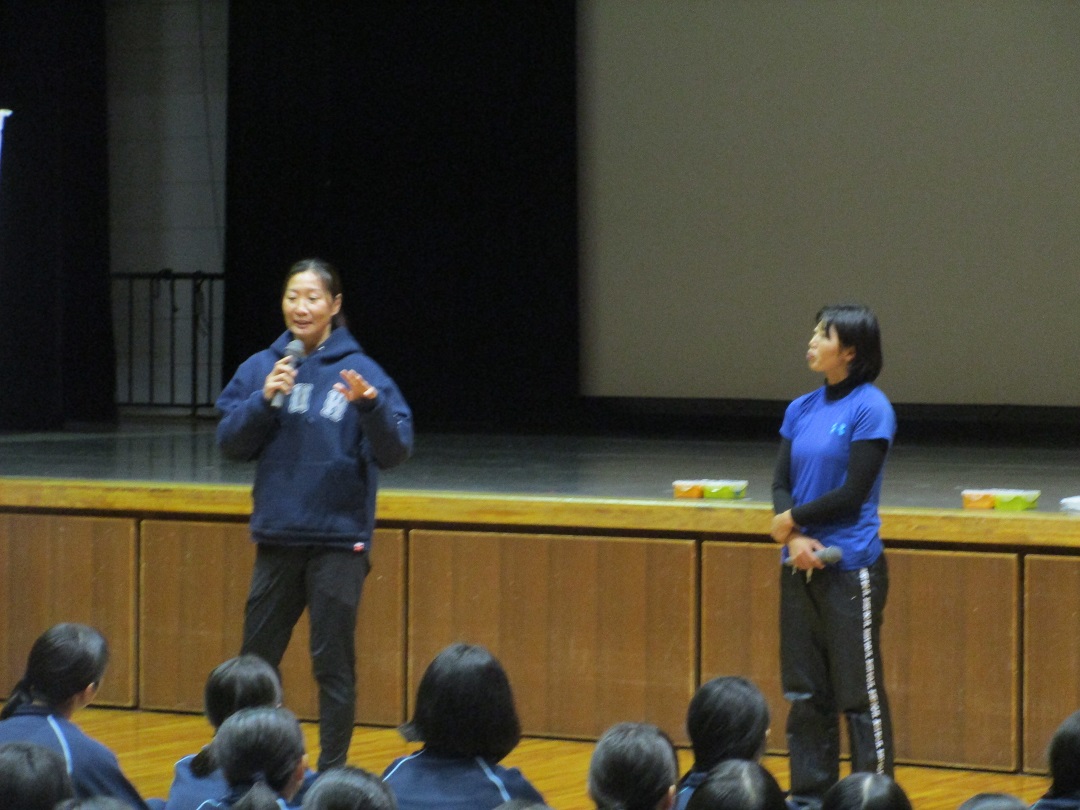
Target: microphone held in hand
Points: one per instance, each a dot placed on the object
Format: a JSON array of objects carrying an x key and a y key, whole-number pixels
[
  {"x": 294, "y": 350},
  {"x": 828, "y": 555}
]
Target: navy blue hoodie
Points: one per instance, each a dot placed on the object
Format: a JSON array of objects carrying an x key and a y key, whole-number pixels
[{"x": 319, "y": 455}]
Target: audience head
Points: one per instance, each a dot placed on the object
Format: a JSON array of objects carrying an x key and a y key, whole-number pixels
[
  {"x": 728, "y": 718},
  {"x": 738, "y": 784},
  {"x": 261, "y": 749},
  {"x": 633, "y": 767},
  {"x": 464, "y": 706},
  {"x": 349, "y": 788},
  {"x": 64, "y": 669},
  {"x": 866, "y": 791},
  {"x": 32, "y": 777},
  {"x": 244, "y": 682},
  {"x": 1064, "y": 756},
  {"x": 994, "y": 801}
]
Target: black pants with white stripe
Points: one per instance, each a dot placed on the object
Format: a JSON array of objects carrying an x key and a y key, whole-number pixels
[{"x": 830, "y": 662}]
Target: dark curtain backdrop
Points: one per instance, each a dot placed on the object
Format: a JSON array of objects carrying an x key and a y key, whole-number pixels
[
  {"x": 56, "y": 348},
  {"x": 428, "y": 149}
]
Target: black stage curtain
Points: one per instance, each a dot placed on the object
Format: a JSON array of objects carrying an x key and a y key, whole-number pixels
[
  {"x": 56, "y": 347},
  {"x": 428, "y": 149}
]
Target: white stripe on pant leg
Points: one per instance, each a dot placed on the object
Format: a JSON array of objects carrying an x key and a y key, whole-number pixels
[{"x": 871, "y": 675}]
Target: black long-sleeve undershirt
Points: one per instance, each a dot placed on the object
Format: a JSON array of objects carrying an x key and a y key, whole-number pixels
[{"x": 866, "y": 458}]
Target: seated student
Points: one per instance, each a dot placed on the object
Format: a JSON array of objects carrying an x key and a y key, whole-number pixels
[
  {"x": 866, "y": 791},
  {"x": 466, "y": 719},
  {"x": 633, "y": 767},
  {"x": 63, "y": 672},
  {"x": 348, "y": 788},
  {"x": 738, "y": 784},
  {"x": 32, "y": 777},
  {"x": 728, "y": 718},
  {"x": 994, "y": 801},
  {"x": 261, "y": 752},
  {"x": 244, "y": 682},
  {"x": 1064, "y": 756}
]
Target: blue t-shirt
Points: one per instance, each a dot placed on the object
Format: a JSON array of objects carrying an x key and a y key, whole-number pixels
[{"x": 821, "y": 433}]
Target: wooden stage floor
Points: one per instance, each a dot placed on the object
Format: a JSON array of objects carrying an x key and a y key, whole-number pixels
[
  {"x": 919, "y": 474},
  {"x": 149, "y": 743}
]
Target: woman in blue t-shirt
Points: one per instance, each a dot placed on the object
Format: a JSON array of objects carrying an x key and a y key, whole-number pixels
[{"x": 826, "y": 490}]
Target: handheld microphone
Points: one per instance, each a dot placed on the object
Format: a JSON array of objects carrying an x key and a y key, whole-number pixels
[
  {"x": 828, "y": 555},
  {"x": 294, "y": 350}
]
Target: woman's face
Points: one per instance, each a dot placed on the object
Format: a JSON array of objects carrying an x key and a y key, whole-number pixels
[
  {"x": 309, "y": 309},
  {"x": 827, "y": 355}
]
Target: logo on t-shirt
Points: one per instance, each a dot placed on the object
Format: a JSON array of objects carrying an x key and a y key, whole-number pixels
[{"x": 838, "y": 429}]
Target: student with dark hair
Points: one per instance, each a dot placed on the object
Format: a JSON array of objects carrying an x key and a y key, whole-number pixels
[
  {"x": 994, "y": 801},
  {"x": 63, "y": 673},
  {"x": 466, "y": 719},
  {"x": 244, "y": 682},
  {"x": 349, "y": 788},
  {"x": 261, "y": 753},
  {"x": 864, "y": 790},
  {"x": 826, "y": 490},
  {"x": 633, "y": 767},
  {"x": 32, "y": 777},
  {"x": 1064, "y": 757},
  {"x": 727, "y": 719},
  {"x": 321, "y": 419},
  {"x": 738, "y": 784}
]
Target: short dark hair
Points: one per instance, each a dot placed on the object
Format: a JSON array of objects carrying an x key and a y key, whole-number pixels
[
  {"x": 856, "y": 327},
  {"x": 866, "y": 791},
  {"x": 994, "y": 801},
  {"x": 1064, "y": 757},
  {"x": 464, "y": 706},
  {"x": 32, "y": 777},
  {"x": 738, "y": 784},
  {"x": 349, "y": 788},
  {"x": 633, "y": 767},
  {"x": 63, "y": 661},
  {"x": 728, "y": 718},
  {"x": 327, "y": 273},
  {"x": 261, "y": 745}
]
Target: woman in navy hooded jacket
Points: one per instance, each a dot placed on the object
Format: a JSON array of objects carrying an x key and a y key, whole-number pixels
[{"x": 321, "y": 418}]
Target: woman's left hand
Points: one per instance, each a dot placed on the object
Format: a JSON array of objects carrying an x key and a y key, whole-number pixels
[{"x": 355, "y": 387}]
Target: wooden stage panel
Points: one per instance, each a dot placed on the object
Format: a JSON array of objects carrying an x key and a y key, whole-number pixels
[
  {"x": 592, "y": 630},
  {"x": 69, "y": 569},
  {"x": 950, "y": 641},
  {"x": 194, "y": 582},
  {"x": 1051, "y": 650}
]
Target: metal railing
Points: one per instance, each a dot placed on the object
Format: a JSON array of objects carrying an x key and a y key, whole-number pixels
[{"x": 168, "y": 345}]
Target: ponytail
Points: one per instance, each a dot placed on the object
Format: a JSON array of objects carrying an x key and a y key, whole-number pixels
[
  {"x": 260, "y": 796},
  {"x": 20, "y": 696}
]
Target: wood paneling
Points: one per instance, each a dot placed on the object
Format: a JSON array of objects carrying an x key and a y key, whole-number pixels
[
  {"x": 68, "y": 569},
  {"x": 591, "y": 630},
  {"x": 1051, "y": 650},
  {"x": 950, "y": 646},
  {"x": 194, "y": 582}
]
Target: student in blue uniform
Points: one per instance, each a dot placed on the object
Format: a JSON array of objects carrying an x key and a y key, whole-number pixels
[
  {"x": 465, "y": 717},
  {"x": 728, "y": 718},
  {"x": 320, "y": 427},
  {"x": 738, "y": 784},
  {"x": 826, "y": 490},
  {"x": 244, "y": 682},
  {"x": 261, "y": 752},
  {"x": 633, "y": 767},
  {"x": 63, "y": 673}
]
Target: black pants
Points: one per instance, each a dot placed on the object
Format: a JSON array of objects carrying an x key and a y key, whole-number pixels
[
  {"x": 329, "y": 583},
  {"x": 830, "y": 659}
]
